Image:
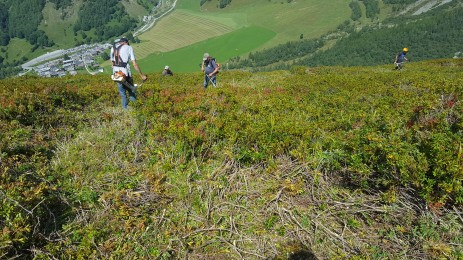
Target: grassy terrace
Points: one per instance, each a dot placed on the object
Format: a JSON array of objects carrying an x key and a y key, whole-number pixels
[
  {"x": 180, "y": 39},
  {"x": 361, "y": 162},
  {"x": 178, "y": 30}
]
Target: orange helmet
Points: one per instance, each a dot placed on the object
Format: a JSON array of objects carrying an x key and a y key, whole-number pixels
[{"x": 405, "y": 49}]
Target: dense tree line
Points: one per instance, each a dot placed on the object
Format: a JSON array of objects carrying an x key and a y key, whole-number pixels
[
  {"x": 224, "y": 3},
  {"x": 284, "y": 52},
  {"x": 221, "y": 4},
  {"x": 107, "y": 18},
  {"x": 61, "y": 4},
  {"x": 371, "y": 8},
  {"x": 429, "y": 36},
  {"x": 356, "y": 11},
  {"x": 24, "y": 18},
  {"x": 4, "y": 35},
  {"x": 8, "y": 70}
]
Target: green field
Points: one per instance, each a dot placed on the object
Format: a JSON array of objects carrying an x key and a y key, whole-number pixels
[
  {"x": 180, "y": 38},
  {"x": 60, "y": 30},
  {"x": 311, "y": 18},
  {"x": 16, "y": 49},
  {"x": 180, "y": 29},
  {"x": 187, "y": 59}
]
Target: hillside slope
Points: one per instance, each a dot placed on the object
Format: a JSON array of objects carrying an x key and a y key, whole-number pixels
[
  {"x": 328, "y": 162},
  {"x": 370, "y": 38},
  {"x": 432, "y": 34},
  {"x": 53, "y": 24}
]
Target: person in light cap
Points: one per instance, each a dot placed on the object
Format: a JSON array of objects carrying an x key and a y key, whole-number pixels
[
  {"x": 121, "y": 54},
  {"x": 210, "y": 68},
  {"x": 167, "y": 71}
]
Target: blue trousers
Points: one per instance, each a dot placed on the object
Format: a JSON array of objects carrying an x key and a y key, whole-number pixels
[
  {"x": 123, "y": 91},
  {"x": 207, "y": 79}
]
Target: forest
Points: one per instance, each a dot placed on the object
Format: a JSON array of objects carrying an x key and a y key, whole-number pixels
[
  {"x": 107, "y": 18},
  {"x": 284, "y": 52},
  {"x": 432, "y": 35},
  {"x": 21, "y": 20}
]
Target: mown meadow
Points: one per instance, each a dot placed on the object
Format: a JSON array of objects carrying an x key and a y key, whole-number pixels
[
  {"x": 180, "y": 38},
  {"x": 331, "y": 162}
]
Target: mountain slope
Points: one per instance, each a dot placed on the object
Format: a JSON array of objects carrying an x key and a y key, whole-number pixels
[
  {"x": 332, "y": 162},
  {"x": 59, "y": 24},
  {"x": 191, "y": 25},
  {"x": 430, "y": 35},
  {"x": 372, "y": 39}
]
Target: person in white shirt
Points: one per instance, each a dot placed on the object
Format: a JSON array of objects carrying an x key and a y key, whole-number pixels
[{"x": 121, "y": 54}]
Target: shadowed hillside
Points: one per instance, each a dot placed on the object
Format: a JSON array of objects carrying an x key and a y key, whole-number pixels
[{"x": 325, "y": 162}]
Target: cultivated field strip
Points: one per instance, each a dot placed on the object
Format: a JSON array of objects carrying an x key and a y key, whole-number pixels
[{"x": 178, "y": 30}]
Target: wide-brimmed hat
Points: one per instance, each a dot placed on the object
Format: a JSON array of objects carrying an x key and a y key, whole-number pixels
[{"x": 205, "y": 56}]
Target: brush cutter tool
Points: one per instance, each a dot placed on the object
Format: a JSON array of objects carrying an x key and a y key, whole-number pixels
[
  {"x": 211, "y": 80},
  {"x": 119, "y": 77},
  {"x": 122, "y": 78}
]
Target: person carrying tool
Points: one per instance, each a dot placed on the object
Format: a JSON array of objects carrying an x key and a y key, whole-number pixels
[
  {"x": 121, "y": 54},
  {"x": 210, "y": 68},
  {"x": 400, "y": 58}
]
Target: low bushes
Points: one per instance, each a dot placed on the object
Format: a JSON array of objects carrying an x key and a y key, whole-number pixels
[{"x": 80, "y": 177}]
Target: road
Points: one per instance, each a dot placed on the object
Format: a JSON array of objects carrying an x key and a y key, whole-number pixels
[
  {"x": 150, "y": 23},
  {"x": 48, "y": 56}
]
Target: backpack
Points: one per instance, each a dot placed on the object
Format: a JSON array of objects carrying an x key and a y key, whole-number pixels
[{"x": 117, "y": 59}]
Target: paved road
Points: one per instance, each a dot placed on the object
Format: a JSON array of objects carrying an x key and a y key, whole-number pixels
[
  {"x": 49, "y": 56},
  {"x": 151, "y": 23}
]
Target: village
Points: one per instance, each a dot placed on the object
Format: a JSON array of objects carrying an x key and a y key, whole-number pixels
[
  {"x": 72, "y": 60},
  {"x": 60, "y": 63}
]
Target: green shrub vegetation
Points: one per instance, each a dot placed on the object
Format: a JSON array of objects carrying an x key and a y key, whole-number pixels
[
  {"x": 357, "y": 162},
  {"x": 372, "y": 8}
]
